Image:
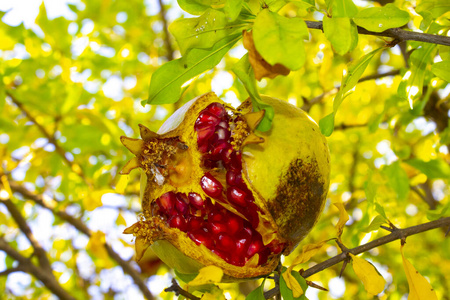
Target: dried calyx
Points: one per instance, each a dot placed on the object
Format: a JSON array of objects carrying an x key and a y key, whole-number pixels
[{"x": 200, "y": 206}]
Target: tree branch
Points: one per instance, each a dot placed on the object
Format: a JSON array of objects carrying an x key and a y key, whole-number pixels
[
  {"x": 50, "y": 204},
  {"x": 398, "y": 34},
  {"x": 167, "y": 42},
  {"x": 41, "y": 254},
  {"x": 41, "y": 274},
  {"x": 397, "y": 234},
  {"x": 76, "y": 168},
  {"x": 12, "y": 270},
  {"x": 175, "y": 288}
]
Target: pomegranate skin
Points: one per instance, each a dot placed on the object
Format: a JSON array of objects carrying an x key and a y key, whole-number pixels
[
  {"x": 287, "y": 173},
  {"x": 290, "y": 170}
]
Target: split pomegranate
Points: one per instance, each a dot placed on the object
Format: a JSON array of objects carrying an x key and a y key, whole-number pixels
[{"x": 214, "y": 192}]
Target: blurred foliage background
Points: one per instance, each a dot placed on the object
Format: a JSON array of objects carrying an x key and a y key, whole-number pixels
[{"x": 73, "y": 75}]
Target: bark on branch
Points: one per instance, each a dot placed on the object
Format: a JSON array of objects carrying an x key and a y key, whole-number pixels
[
  {"x": 50, "y": 204},
  {"x": 41, "y": 274},
  {"x": 398, "y": 34},
  {"x": 76, "y": 168},
  {"x": 397, "y": 234}
]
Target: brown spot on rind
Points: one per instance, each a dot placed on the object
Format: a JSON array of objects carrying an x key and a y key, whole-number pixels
[{"x": 296, "y": 216}]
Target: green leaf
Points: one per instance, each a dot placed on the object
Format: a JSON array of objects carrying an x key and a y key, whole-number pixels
[
  {"x": 411, "y": 86},
  {"x": 310, "y": 2},
  {"x": 444, "y": 52},
  {"x": 340, "y": 33},
  {"x": 341, "y": 8},
  {"x": 202, "y": 32},
  {"x": 166, "y": 83},
  {"x": 398, "y": 179},
  {"x": 442, "y": 70},
  {"x": 244, "y": 72},
  {"x": 232, "y": 9},
  {"x": 434, "y": 169},
  {"x": 375, "y": 224},
  {"x": 276, "y": 5},
  {"x": 326, "y": 124},
  {"x": 279, "y": 39},
  {"x": 380, "y": 209},
  {"x": 379, "y": 19},
  {"x": 197, "y": 7},
  {"x": 185, "y": 277},
  {"x": 445, "y": 135},
  {"x": 370, "y": 189},
  {"x": 435, "y": 8},
  {"x": 257, "y": 294},
  {"x": 287, "y": 293},
  {"x": 437, "y": 214},
  {"x": 2, "y": 93},
  {"x": 349, "y": 81}
]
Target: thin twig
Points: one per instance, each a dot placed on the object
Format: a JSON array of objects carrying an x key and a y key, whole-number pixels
[
  {"x": 397, "y": 234},
  {"x": 167, "y": 42},
  {"x": 317, "y": 99},
  {"x": 76, "y": 168},
  {"x": 41, "y": 274},
  {"x": 397, "y": 33},
  {"x": 50, "y": 204},
  {"x": 41, "y": 254},
  {"x": 175, "y": 288}
]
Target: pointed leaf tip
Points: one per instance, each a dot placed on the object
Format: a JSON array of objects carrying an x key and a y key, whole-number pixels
[
  {"x": 373, "y": 282},
  {"x": 419, "y": 287}
]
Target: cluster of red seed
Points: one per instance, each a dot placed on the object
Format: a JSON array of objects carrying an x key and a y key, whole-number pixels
[{"x": 226, "y": 234}]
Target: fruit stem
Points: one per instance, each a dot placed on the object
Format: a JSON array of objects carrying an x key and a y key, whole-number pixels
[{"x": 175, "y": 288}]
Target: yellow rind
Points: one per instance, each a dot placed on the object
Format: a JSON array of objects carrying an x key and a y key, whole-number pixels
[{"x": 293, "y": 147}]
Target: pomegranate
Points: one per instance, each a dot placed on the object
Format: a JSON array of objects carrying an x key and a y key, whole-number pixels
[{"x": 214, "y": 192}]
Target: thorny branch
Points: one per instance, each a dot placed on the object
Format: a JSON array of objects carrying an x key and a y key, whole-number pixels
[
  {"x": 397, "y": 234},
  {"x": 398, "y": 34},
  {"x": 50, "y": 204}
]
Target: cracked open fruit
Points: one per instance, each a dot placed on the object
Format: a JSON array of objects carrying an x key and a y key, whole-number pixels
[{"x": 214, "y": 192}]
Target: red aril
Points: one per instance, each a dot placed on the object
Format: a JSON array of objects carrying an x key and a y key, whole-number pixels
[{"x": 211, "y": 186}]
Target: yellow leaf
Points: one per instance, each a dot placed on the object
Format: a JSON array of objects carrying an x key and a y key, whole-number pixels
[
  {"x": 373, "y": 282},
  {"x": 7, "y": 43},
  {"x": 215, "y": 296},
  {"x": 260, "y": 66},
  {"x": 292, "y": 284},
  {"x": 96, "y": 246},
  {"x": 343, "y": 218},
  {"x": 94, "y": 199},
  {"x": 122, "y": 184},
  {"x": 121, "y": 220},
  {"x": 207, "y": 275},
  {"x": 308, "y": 251},
  {"x": 419, "y": 287}
]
